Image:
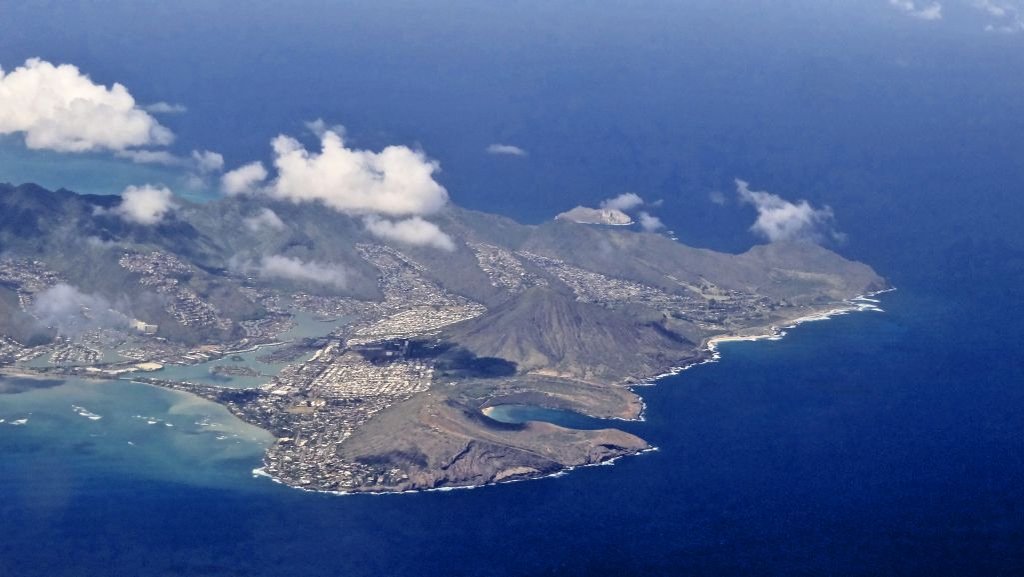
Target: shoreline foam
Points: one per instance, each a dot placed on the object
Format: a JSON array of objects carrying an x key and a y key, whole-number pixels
[
  {"x": 861, "y": 303},
  {"x": 261, "y": 472}
]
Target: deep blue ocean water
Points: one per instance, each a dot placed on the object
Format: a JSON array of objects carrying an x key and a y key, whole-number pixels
[{"x": 870, "y": 444}]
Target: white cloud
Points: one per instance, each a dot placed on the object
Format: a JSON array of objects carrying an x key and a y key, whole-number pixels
[
  {"x": 283, "y": 267},
  {"x": 59, "y": 108},
  {"x": 778, "y": 219},
  {"x": 624, "y": 202},
  {"x": 244, "y": 179},
  {"x": 1007, "y": 17},
  {"x": 71, "y": 311},
  {"x": 396, "y": 181},
  {"x": 147, "y": 204},
  {"x": 992, "y": 8},
  {"x": 587, "y": 215},
  {"x": 717, "y": 197},
  {"x": 207, "y": 161},
  {"x": 629, "y": 201},
  {"x": 165, "y": 108},
  {"x": 199, "y": 163},
  {"x": 150, "y": 157},
  {"x": 319, "y": 128},
  {"x": 265, "y": 218},
  {"x": 414, "y": 231},
  {"x": 506, "y": 149},
  {"x": 932, "y": 11},
  {"x": 649, "y": 222},
  {"x": 97, "y": 242},
  {"x": 1011, "y": 28}
]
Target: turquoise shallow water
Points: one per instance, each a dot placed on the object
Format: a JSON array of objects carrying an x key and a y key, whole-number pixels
[
  {"x": 99, "y": 429},
  {"x": 305, "y": 327},
  {"x": 90, "y": 173}
]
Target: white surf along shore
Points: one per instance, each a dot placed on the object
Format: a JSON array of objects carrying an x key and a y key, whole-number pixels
[
  {"x": 861, "y": 303},
  {"x": 866, "y": 302}
]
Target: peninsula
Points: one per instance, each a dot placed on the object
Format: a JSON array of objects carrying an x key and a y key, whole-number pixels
[{"x": 416, "y": 342}]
